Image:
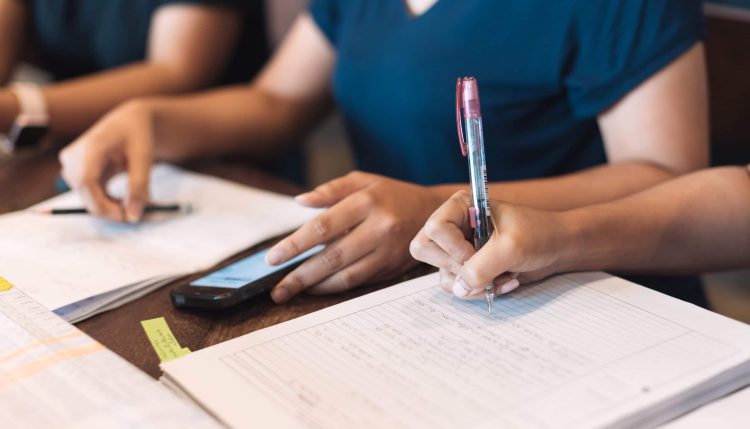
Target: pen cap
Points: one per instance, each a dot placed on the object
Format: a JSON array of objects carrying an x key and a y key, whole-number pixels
[{"x": 470, "y": 98}]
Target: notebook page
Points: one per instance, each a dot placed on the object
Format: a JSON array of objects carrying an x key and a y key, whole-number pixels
[
  {"x": 731, "y": 412},
  {"x": 574, "y": 351},
  {"x": 60, "y": 260},
  {"x": 53, "y": 375}
]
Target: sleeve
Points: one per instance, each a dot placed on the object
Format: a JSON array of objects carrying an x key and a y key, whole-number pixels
[
  {"x": 326, "y": 14},
  {"x": 245, "y": 6},
  {"x": 618, "y": 44}
]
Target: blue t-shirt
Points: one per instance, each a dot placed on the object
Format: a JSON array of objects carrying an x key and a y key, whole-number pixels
[
  {"x": 78, "y": 37},
  {"x": 545, "y": 68}
]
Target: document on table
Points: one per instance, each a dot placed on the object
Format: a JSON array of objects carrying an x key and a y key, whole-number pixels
[
  {"x": 53, "y": 375},
  {"x": 584, "y": 350},
  {"x": 731, "y": 412},
  {"x": 79, "y": 265}
]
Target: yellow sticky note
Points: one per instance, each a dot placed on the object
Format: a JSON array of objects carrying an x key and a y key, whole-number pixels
[
  {"x": 5, "y": 285},
  {"x": 162, "y": 340}
]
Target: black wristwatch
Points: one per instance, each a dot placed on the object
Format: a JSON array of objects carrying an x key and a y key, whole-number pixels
[{"x": 32, "y": 123}]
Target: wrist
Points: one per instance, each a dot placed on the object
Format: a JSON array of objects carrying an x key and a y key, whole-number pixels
[
  {"x": 150, "y": 113},
  {"x": 573, "y": 240},
  {"x": 444, "y": 192},
  {"x": 8, "y": 110}
]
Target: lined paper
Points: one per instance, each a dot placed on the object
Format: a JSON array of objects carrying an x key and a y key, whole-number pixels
[
  {"x": 53, "y": 375},
  {"x": 564, "y": 353}
]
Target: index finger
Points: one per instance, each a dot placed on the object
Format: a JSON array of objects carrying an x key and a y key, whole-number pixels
[
  {"x": 449, "y": 227},
  {"x": 321, "y": 229}
]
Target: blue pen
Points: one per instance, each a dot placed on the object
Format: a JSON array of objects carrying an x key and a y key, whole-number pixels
[{"x": 471, "y": 139}]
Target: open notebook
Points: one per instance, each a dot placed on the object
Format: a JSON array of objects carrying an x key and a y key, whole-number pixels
[
  {"x": 79, "y": 266},
  {"x": 54, "y": 376},
  {"x": 584, "y": 351},
  {"x": 730, "y": 412}
]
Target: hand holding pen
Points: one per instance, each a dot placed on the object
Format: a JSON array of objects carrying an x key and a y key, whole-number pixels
[{"x": 527, "y": 245}]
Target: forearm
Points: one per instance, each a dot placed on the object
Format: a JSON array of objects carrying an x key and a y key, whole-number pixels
[
  {"x": 697, "y": 223},
  {"x": 237, "y": 119},
  {"x": 8, "y": 110},
  {"x": 13, "y": 19},
  {"x": 76, "y": 104},
  {"x": 595, "y": 185}
]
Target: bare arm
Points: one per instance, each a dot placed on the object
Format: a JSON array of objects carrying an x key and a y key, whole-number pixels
[
  {"x": 697, "y": 223},
  {"x": 657, "y": 132},
  {"x": 281, "y": 105},
  {"x": 188, "y": 47},
  {"x": 13, "y": 19}
]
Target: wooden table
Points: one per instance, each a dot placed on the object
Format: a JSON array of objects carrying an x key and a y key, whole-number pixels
[{"x": 29, "y": 179}]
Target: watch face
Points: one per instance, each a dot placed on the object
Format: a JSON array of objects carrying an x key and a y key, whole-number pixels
[{"x": 27, "y": 136}]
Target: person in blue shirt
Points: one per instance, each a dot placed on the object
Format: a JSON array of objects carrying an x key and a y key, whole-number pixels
[
  {"x": 584, "y": 101},
  {"x": 103, "y": 52}
]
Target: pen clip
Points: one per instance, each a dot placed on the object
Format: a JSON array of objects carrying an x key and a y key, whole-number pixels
[{"x": 459, "y": 122}]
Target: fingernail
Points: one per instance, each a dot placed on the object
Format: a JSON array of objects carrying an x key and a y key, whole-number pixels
[
  {"x": 274, "y": 256},
  {"x": 509, "y": 286},
  {"x": 460, "y": 288},
  {"x": 303, "y": 197},
  {"x": 280, "y": 294},
  {"x": 133, "y": 212}
]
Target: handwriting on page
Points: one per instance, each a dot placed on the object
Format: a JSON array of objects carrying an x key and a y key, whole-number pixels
[{"x": 397, "y": 364}]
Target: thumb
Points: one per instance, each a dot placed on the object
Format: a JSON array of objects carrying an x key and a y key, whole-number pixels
[
  {"x": 334, "y": 191},
  {"x": 481, "y": 269}
]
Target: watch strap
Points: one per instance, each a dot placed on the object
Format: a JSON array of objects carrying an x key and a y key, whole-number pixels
[{"x": 31, "y": 101}]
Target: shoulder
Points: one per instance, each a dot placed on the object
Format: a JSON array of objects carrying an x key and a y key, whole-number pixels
[
  {"x": 327, "y": 15},
  {"x": 617, "y": 44},
  {"x": 642, "y": 16}
]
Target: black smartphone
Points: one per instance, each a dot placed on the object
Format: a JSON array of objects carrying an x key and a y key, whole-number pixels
[{"x": 236, "y": 282}]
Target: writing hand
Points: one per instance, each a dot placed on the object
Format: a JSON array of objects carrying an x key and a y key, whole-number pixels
[{"x": 525, "y": 242}]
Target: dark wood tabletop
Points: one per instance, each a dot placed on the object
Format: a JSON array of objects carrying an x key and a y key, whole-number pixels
[{"x": 31, "y": 178}]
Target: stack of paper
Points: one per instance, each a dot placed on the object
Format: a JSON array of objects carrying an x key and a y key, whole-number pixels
[
  {"x": 731, "y": 412},
  {"x": 80, "y": 266},
  {"x": 54, "y": 376},
  {"x": 576, "y": 351}
]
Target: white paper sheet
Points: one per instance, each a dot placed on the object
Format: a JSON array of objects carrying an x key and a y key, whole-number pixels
[
  {"x": 53, "y": 375},
  {"x": 585, "y": 350},
  {"x": 731, "y": 412},
  {"x": 61, "y": 260}
]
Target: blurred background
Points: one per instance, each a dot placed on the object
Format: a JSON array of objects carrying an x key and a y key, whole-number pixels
[
  {"x": 728, "y": 57},
  {"x": 728, "y": 52}
]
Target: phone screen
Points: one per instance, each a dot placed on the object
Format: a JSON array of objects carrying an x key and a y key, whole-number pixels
[{"x": 248, "y": 270}]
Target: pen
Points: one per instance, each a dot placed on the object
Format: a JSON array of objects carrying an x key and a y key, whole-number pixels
[
  {"x": 471, "y": 139},
  {"x": 167, "y": 208}
]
